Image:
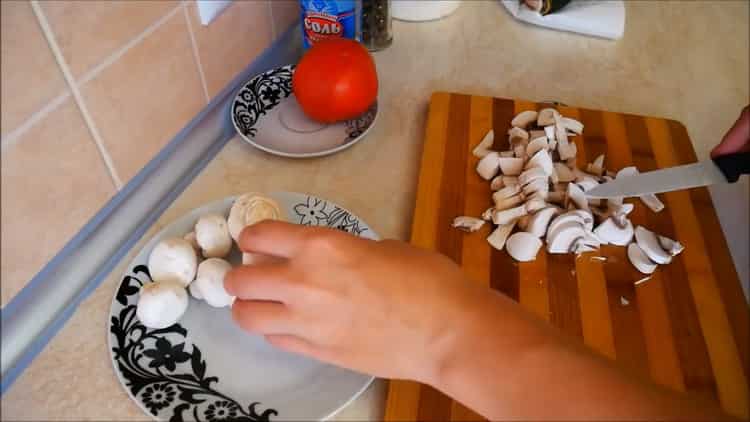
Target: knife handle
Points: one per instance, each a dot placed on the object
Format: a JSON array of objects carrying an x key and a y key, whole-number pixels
[{"x": 734, "y": 165}]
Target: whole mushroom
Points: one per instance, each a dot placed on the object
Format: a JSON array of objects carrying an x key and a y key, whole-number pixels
[
  {"x": 212, "y": 235},
  {"x": 249, "y": 209},
  {"x": 209, "y": 283},
  {"x": 161, "y": 303},
  {"x": 173, "y": 259}
]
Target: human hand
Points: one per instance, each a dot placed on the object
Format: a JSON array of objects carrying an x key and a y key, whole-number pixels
[
  {"x": 737, "y": 139},
  {"x": 380, "y": 307}
]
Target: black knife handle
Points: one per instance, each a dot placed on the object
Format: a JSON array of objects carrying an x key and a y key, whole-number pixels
[{"x": 734, "y": 165}]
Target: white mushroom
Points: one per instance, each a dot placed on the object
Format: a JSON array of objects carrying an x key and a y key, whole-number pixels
[
  {"x": 249, "y": 209},
  {"x": 534, "y": 205},
  {"x": 672, "y": 247},
  {"x": 489, "y": 165},
  {"x": 524, "y": 119},
  {"x": 564, "y": 237},
  {"x": 650, "y": 200},
  {"x": 499, "y": 182},
  {"x": 649, "y": 243},
  {"x": 586, "y": 217},
  {"x": 531, "y": 175},
  {"x": 564, "y": 174},
  {"x": 516, "y": 134},
  {"x": 611, "y": 232},
  {"x": 535, "y": 145},
  {"x": 468, "y": 224},
  {"x": 519, "y": 150},
  {"x": 190, "y": 237},
  {"x": 546, "y": 117},
  {"x": 522, "y": 222},
  {"x": 542, "y": 160},
  {"x": 576, "y": 195},
  {"x": 507, "y": 154},
  {"x": 507, "y": 192},
  {"x": 209, "y": 283},
  {"x": 502, "y": 217},
  {"x": 550, "y": 132},
  {"x": 536, "y": 186},
  {"x": 587, "y": 184},
  {"x": 511, "y": 166},
  {"x": 640, "y": 260},
  {"x": 564, "y": 148},
  {"x": 597, "y": 166},
  {"x": 485, "y": 144},
  {"x": 173, "y": 259},
  {"x": 487, "y": 214},
  {"x": 523, "y": 246},
  {"x": 212, "y": 235},
  {"x": 537, "y": 133},
  {"x": 195, "y": 292},
  {"x": 161, "y": 303},
  {"x": 499, "y": 235},
  {"x": 572, "y": 125},
  {"x": 540, "y": 220}
]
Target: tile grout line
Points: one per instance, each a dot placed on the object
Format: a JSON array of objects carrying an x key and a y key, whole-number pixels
[
  {"x": 196, "y": 53},
  {"x": 76, "y": 93},
  {"x": 109, "y": 60},
  {"x": 14, "y": 135}
]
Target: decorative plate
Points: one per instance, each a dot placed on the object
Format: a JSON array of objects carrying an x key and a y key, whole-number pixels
[
  {"x": 205, "y": 368},
  {"x": 267, "y": 116}
]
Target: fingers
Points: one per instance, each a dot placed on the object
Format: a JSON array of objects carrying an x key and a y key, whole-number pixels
[
  {"x": 294, "y": 344},
  {"x": 275, "y": 238},
  {"x": 260, "y": 282},
  {"x": 264, "y": 317},
  {"x": 738, "y": 137}
]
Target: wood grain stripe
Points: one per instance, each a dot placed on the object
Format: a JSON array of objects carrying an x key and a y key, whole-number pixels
[
  {"x": 475, "y": 260},
  {"x": 434, "y": 405},
  {"x": 564, "y": 302},
  {"x": 596, "y": 321},
  {"x": 722, "y": 349},
  {"x": 504, "y": 275},
  {"x": 717, "y": 249},
  {"x": 403, "y": 396}
]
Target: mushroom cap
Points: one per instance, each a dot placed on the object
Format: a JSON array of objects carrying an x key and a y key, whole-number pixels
[
  {"x": 564, "y": 237},
  {"x": 540, "y": 220},
  {"x": 640, "y": 260},
  {"x": 209, "y": 283},
  {"x": 212, "y": 235},
  {"x": 488, "y": 166},
  {"x": 161, "y": 303},
  {"x": 672, "y": 247},
  {"x": 523, "y": 246},
  {"x": 249, "y": 209},
  {"x": 649, "y": 243},
  {"x": 173, "y": 259},
  {"x": 611, "y": 232}
]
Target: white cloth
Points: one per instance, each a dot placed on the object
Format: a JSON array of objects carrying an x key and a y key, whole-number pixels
[{"x": 599, "y": 18}]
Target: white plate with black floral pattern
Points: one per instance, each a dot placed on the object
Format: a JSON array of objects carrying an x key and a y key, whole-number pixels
[
  {"x": 204, "y": 367},
  {"x": 266, "y": 114}
]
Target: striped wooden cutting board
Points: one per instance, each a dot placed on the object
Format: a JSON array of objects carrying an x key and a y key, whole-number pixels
[{"x": 686, "y": 328}]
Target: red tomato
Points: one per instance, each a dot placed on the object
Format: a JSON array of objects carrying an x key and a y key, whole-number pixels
[{"x": 335, "y": 80}]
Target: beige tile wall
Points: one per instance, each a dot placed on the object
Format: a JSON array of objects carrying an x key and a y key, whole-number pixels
[{"x": 91, "y": 91}]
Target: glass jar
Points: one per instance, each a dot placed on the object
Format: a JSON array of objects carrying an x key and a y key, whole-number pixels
[{"x": 377, "y": 29}]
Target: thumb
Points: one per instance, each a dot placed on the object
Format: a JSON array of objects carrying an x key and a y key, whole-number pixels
[{"x": 737, "y": 138}]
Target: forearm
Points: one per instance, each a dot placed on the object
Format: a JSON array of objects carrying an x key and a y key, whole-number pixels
[{"x": 506, "y": 364}]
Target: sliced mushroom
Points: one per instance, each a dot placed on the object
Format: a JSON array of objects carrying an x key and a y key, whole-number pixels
[
  {"x": 564, "y": 237},
  {"x": 212, "y": 235},
  {"x": 534, "y": 205},
  {"x": 485, "y": 144},
  {"x": 546, "y": 117},
  {"x": 502, "y": 217},
  {"x": 523, "y": 246},
  {"x": 550, "y": 132},
  {"x": 556, "y": 197},
  {"x": 501, "y": 181},
  {"x": 487, "y": 214},
  {"x": 649, "y": 243},
  {"x": 507, "y": 154},
  {"x": 575, "y": 194},
  {"x": 508, "y": 202},
  {"x": 516, "y": 135},
  {"x": 564, "y": 147},
  {"x": 249, "y": 209},
  {"x": 524, "y": 119},
  {"x": 542, "y": 160},
  {"x": 536, "y": 144},
  {"x": 587, "y": 184},
  {"x": 538, "y": 185},
  {"x": 540, "y": 220},
  {"x": 161, "y": 303},
  {"x": 536, "y": 133},
  {"x": 640, "y": 260},
  {"x": 498, "y": 236},
  {"x": 597, "y": 166},
  {"x": 511, "y": 166},
  {"x": 532, "y": 174},
  {"x": 173, "y": 259},
  {"x": 507, "y": 192},
  {"x": 519, "y": 150},
  {"x": 523, "y": 222},
  {"x": 611, "y": 232},
  {"x": 468, "y": 224},
  {"x": 650, "y": 200},
  {"x": 209, "y": 283},
  {"x": 586, "y": 217},
  {"x": 564, "y": 174},
  {"x": 489, "y": 165},
  {"x": 672, "y": 247},
  {"x": 572, "y": 125}
]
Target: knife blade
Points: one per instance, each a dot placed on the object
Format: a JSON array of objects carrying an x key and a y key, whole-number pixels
[{"x": 725, "y": 169}]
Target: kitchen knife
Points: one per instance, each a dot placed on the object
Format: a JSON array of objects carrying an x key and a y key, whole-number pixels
[{"x": 724, "y": 169}]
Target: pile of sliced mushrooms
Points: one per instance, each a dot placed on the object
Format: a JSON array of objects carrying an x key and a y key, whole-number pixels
[
  {"x": 197, "y": 262},
  {"x": 540, "y": 192}
]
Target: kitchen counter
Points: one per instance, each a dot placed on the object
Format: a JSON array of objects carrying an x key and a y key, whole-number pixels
[{"x": 683, "y": 61}]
